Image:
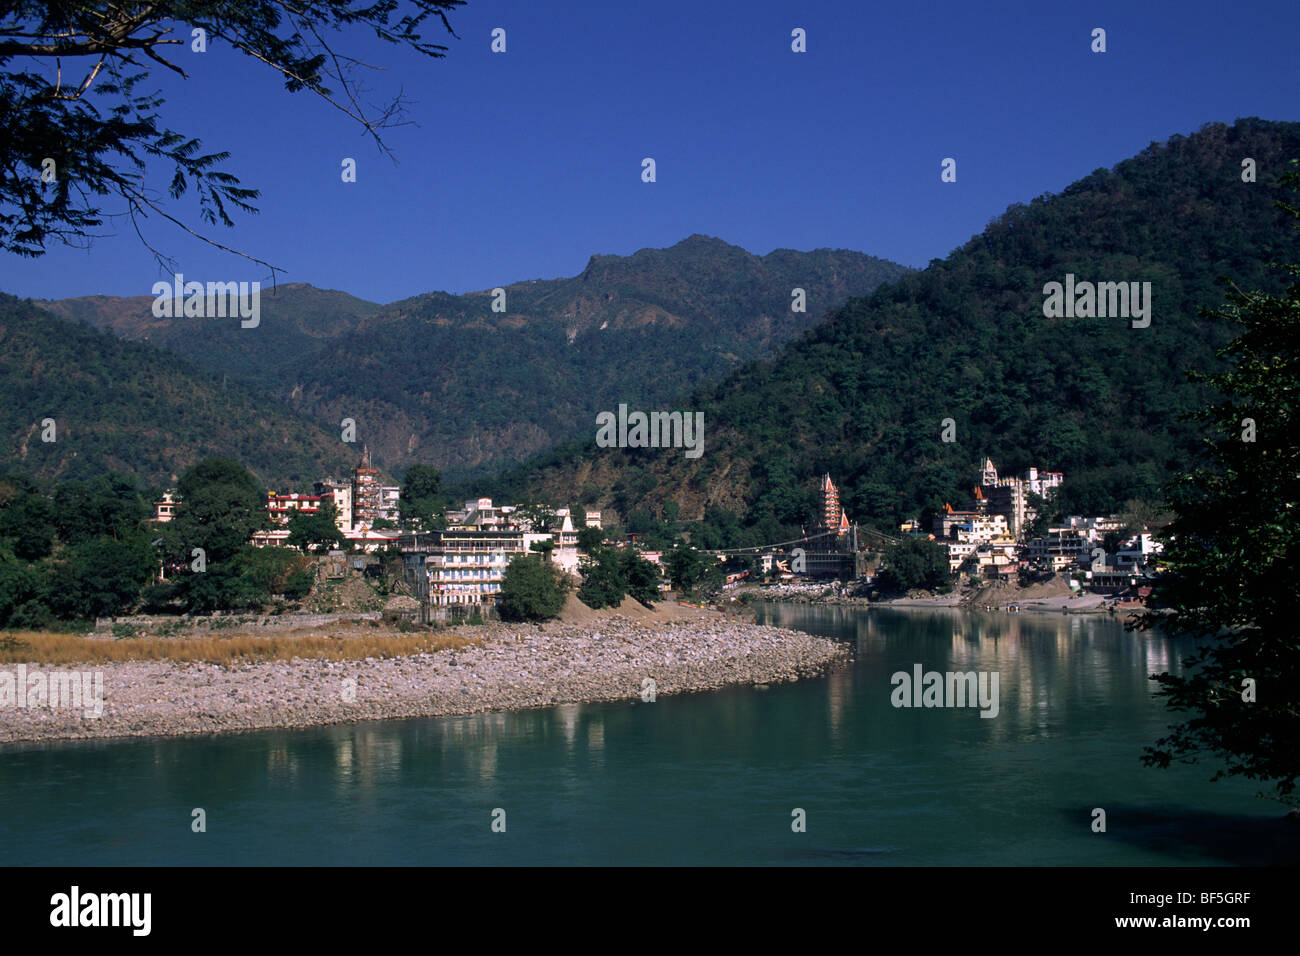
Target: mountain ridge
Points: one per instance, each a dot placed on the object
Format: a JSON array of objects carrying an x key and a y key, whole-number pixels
[{"x": 437, "y": 377}]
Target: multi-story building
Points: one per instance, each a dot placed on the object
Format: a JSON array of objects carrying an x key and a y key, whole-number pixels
[
  {"x": 1137, "y": 552},
  {"x": 947, "y": 521},
  {"x": 282, "y": 507},
  {"x": 367, "y": 498},
  {"x": 983, "y": 528},
  {"x": 1106, "y": 576},
  {"x": 1061, "y": 549},
  {"x": 340, "y": 492},
  {"x": 832, "y": 514},
  {"x": 1009, "y": 497},
  {"x": 958, "y": 554},
  {"x": 361, "y": 499},
  {"x": 1094, "y": 529},
  {"x": 277, "y": 537},
  {"x": 996, "y": 559},
  {"x": 481, "y": 515},
  {"x": 461, "y": 566},
  {"x": 390, "y": 497},
  {"x": 565, "y": 534},
  {"x": 829, "y": 549}
]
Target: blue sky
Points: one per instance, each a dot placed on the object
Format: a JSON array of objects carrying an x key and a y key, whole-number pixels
[{"x": 526, "y": 163}]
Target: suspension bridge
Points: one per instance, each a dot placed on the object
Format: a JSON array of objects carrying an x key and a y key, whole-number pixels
[{"x": 824, "y": 554}]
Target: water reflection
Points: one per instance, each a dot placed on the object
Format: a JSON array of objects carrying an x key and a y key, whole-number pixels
[
  {"x": 1053, "y": 669},
  {"x": 689, "y": 778}
]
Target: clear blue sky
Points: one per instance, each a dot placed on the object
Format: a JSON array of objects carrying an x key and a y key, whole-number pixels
[{"x": 524, "y": 164}]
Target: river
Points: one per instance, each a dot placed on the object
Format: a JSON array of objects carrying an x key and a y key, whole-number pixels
[{"x": 704, "y": 778}]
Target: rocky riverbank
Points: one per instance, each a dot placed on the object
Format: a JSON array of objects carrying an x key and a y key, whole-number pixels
[
  {"x": 1054, "y": 597},
  {"x": 514, "y": 667}
]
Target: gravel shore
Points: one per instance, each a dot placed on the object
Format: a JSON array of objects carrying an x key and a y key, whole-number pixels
[{"x": 516, "y": 667}]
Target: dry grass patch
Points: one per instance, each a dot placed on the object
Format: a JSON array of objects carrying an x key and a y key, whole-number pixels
[{"x": 28, "y": 647}]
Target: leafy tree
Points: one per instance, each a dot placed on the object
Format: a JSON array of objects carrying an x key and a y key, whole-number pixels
[
  {"x": 1111, "y": 540},
  {"x": 101, "y": 576},
  {"x": 308, "y": 529},
  {"x": 531, "y": 590},
  {"x": 1044, "y": 515},
  {"x": 421, "y": 501},
  {"x": 640, "y": 577},
  {"x": 17, "y": 585},
  {"x": 537, "y": 518},
  {"x": 267, "y": 571},
  {"x": 916, "y": 563},
  {"x": 87, "y": 554},
  {"x": 109, "y": 504},
  {"x": 602, "y": 579},
  {"x": 222, "y": 505},
  {"x": 83, "y": 104},
  {"x": 1140, "y": 514},
  {"x": 692, "y": 572},
  {"x": 1233, "y": 553},
  {"x": 27, "y": 519},
  {"x": 589, "y": 539}
]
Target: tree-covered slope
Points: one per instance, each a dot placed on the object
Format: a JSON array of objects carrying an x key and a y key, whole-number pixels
[
  {"x": 445, "y": 379},
  {"x": 864, "y": 395},
  {"x": 296, "y": 322},
  {"x": 122, "y": 406}
]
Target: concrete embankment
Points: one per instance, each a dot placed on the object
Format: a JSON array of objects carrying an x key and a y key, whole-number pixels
[{"x": 514, "y": 667}]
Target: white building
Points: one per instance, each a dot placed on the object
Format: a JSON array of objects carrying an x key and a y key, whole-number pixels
[
  {"x": 1136, "y": 552},
  {"x": 340, "y": 493},
  {"x": 165, "y": 510},
  {"x": 1010, "y": 496},
  {"x": 980, "y": 529},
  {"x": 958, "y": 553},
  {"x": 467, "y": 566}
]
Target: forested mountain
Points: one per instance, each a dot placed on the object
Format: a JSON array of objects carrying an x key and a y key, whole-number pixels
[
  {"x": 296, "y": 322},
  {"x": 444, "y": 379},
  {"x": 125, "y": 407},
  {"x": 864, "y": 395}
]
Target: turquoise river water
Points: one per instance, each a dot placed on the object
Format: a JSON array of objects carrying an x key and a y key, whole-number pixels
[{"x": 693, "y": 779}]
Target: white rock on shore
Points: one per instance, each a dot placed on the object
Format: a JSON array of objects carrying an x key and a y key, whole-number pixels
[{"x": 516, "y": 667}]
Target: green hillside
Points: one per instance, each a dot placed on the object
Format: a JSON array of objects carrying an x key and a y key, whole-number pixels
[
  {"x": 296, "y": 322},
  {"x": 125, "y": 407},
  {"x": 444, "y": 379},
  {"x": 864, "y": 395}
]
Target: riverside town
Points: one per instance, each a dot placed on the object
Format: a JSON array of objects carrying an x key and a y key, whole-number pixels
[
  {"x": 996, "y": 547},
  {"x": 356, "y": 506}
]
